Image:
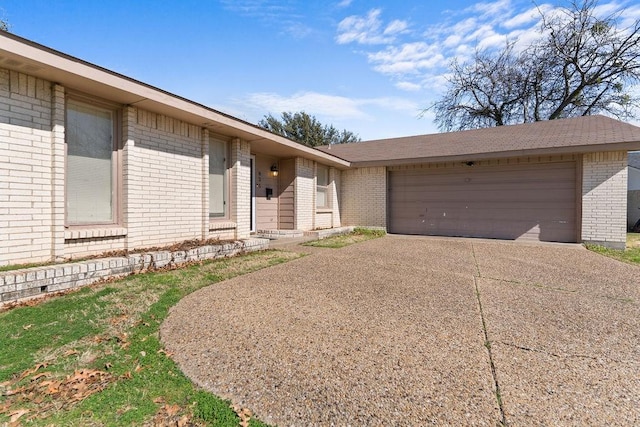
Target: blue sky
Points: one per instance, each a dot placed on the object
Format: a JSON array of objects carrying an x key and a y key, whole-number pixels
[{"x": 367, "y": 66}]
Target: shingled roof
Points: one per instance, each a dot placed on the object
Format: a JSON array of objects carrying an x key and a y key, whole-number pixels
[{"x": 566, "y": 136}]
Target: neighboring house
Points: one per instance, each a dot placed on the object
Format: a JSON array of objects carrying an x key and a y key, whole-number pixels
[
  {"x": 633, "y": 195},
  {"x": 93, "y": 161}
]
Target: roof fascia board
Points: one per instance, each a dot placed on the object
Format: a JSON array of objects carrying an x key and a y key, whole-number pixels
[{"x": 624, "y": 146}]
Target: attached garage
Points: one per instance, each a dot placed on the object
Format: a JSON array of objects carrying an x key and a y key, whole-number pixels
[
  {"x": 513, "y": 201},
  {"x": 556, "y": 180}
]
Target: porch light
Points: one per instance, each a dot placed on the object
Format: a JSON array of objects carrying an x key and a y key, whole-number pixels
[{"x": 274, "y": 170}]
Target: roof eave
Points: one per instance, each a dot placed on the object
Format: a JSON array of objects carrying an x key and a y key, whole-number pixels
[
  {"x": 25, "y": 56},
  {"x": 623, "y": 146}
]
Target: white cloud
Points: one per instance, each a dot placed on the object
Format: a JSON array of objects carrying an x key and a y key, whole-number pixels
[
  {"x": 328, "y": 107},
  {"x": 407, "y": 58},
  {"x": 464, "y": 27},
  {"x": 344, "y": 3},
  {"x": 298, "y": 30},
  {"x": 396, "y": 27},
  {"x": 286, "y": 17},
  {"x": 531, "y": 16},
  {"x": 491, "y": 10},
  {"x": 408, "y": 86},
  {"x": 312, "y": 102},
  {"x": 367, "y": 30},
  {"x": 452, "y": 41}
]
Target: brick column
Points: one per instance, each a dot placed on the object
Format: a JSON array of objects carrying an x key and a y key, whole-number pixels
[
  {"x": 57, "y": 172},
  {"x": 240, "y": 197},
  {"x": 128, "y": 161},
  {"x": 205, "y": 183},
  {"x": 604, "y": 199},
  {"x": 365, "y": 208},
  {"x": 334, "y": 185},
  {"x": 305, "y": 194}
]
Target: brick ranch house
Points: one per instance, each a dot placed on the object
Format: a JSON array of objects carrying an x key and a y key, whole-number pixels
[{"x": 94, "y": 161}]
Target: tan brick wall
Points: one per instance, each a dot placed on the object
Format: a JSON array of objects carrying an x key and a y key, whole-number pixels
[
  {"x": 26, "y": 179},
  {"x": 604, "y": 198},
  {"x": 305, "y": 197},
  {"x": 363, "y": 197}
]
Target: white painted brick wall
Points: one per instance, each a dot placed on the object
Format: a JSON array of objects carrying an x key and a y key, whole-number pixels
[
  {"x": 305, "y": 194},
  {"x": 26, "y": 180},
  {"x": 78, "y": 248},
  {"x": 240, "y": 194},
  {"x": 364, "y": 197},
  {"x": 57, "y": 171},
  {"x": 604, "y": 198},
  {"x": 164, "y": 181},
  {"x": 335, "y": 188}
]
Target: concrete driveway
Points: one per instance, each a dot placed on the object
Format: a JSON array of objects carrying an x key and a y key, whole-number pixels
[{"x": 421, "y": 331}]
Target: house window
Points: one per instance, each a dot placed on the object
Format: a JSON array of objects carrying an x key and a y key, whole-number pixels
[
  {"x": 217, "y": 179},
  {"x": 91, "y": 151},
  {"x": 322, "y": 193}
]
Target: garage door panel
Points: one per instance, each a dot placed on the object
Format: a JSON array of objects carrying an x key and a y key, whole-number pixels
[
  {"x": 509, "y": 202},
  {"x": 494, "y": 195}
]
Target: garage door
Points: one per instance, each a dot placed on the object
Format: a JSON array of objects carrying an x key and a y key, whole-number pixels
[{"x": 530, "y": 201}]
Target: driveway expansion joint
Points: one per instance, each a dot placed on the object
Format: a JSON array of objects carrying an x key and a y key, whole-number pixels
[
  {"x": 494, "y": 373},
  {"x": 475, "y": 260}
]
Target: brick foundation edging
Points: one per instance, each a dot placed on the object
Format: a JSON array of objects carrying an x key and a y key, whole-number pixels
[
  {"x": 34, "y": 282},
  {"x": 329, "y": 232}
]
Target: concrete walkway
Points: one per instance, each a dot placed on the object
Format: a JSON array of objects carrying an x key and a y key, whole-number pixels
[{"x": 417, "y": 331}]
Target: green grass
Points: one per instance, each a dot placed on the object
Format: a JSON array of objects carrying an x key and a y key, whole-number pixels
[
  {"x": 22, "y": 266},
  {"x": 358, "y": 235},
  {"x": 94, "y": 357},
  {"x": 630, "y": 255}
]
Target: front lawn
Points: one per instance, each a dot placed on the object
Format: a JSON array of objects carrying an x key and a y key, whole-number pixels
[
  {"x": 631, "y": 254},
  {"x": 340, "y": 241},
  {"x": 94, "y": 357}
]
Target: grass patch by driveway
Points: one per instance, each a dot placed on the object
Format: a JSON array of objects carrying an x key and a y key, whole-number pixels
[
  {"x": 94, "y": 357},
  {"x": 356, "y": 236},
  {"x": 631, "y": 254}
]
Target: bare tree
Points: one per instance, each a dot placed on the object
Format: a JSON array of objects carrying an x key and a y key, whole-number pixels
[{"x": 583, "y": 64}]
